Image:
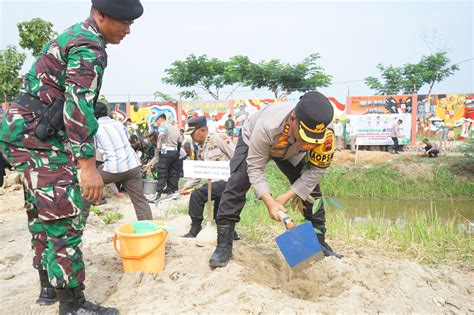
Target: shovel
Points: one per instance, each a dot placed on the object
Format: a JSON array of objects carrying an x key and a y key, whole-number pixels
[
  {"x": 299, "y": 244},
  {"x": 208, "y": 235}
]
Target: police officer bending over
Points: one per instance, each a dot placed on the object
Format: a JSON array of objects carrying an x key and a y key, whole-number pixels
[
  {"x": 298, "y": 139},
  {"x": 211, "y": 148},
  {"x": 50, "y": 126}
]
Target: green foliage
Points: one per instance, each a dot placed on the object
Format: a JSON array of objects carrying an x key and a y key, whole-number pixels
[
  {"x": 111, "y": 217},
  {"x": 436, "y": 68},
  {"x": 34, "y": 34},
  {"x": 282, "y": 78},
  {"x": 391, "y": 76},
  {"x": 383, "y": 181},
  {"x": 426, "y": 238},
  {"x": 163, "y": 97},
  {"x": 106, "y": 215},
  {"x": 11, "y": 62},
  {"x": 211, "y": 75},
  {"x": 409, "y": 78}
]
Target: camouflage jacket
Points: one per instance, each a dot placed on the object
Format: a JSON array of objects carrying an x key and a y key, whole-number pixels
[{"x": 71, "y": 66}]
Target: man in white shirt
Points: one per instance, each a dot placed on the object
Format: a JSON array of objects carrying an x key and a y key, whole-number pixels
[
  {"x": 337, "y": 127},
  {"x": 121, "y": 164},
  {"x": 352, "y": 132},
  {"x": 395, "y": 134}
]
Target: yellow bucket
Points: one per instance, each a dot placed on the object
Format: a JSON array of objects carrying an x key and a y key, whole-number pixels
[{"x": 141, "y": 252}]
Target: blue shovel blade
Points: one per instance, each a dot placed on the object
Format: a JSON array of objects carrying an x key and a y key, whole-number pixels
[{"x": 299, "y": 244}]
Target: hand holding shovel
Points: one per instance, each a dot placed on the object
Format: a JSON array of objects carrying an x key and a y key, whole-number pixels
[{"x": 286, "y": 220}]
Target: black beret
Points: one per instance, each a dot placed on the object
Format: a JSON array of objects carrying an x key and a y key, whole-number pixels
[
  {"x": 314, "y": 113},
  {"x": 120, "y": 9},
  {"x": 195, "y": 123}
]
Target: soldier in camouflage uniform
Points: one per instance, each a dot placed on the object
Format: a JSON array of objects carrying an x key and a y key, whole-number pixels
[{"x": 70, "y": 68}]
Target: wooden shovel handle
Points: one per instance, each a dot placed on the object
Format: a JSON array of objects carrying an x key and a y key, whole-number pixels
[{"x": 287, "y": 221}]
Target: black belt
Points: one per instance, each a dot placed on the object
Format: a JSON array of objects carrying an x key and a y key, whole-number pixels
[{"x": 30, "y": 102}]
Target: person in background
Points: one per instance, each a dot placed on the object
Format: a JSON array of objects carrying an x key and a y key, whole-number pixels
[
  {"x": 432, "y": 148},
  {"x": 212, "y": 125},
  {"x": 167, "y": 157},
  {"x": 211, "y": 148},
  {"x": 337, "y": 126},
  {"x": 229, "y": 126},
  {"x": 352, "y": 133},
  {"x": 121, "y": 164},
  {"x": 395, "y": 134}
]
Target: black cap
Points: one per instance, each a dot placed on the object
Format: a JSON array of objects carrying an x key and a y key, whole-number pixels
[
  {"x": 120, "y": 9},
  {"x": 314, "y": 113},
  {"x": 195, "y": 123}
]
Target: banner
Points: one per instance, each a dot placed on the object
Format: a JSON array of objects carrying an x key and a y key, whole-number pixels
[{"x": 373, "y": 129}]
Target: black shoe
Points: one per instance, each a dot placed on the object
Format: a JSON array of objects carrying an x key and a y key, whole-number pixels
[
  {"x": 73, "y": 302},
  {"x": 103, "y": 201},
  {"x": 223, "y": 252},
  {"x": 155, "y": 198},
  {"x": 326, "y": 249},
  {"x": 236, "y": 236},
  {"x": 47, "y": 294},
  {"x": 194, "y": 231}
]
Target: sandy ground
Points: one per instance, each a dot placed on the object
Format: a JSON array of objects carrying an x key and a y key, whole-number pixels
[{"x": 257, "y": 280}]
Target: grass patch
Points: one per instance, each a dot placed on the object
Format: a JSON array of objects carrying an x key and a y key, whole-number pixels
[
  {"x": 384, "y": 181},
  {"x": 106, "y": 215},
  {"x": 426, "y": 238}
]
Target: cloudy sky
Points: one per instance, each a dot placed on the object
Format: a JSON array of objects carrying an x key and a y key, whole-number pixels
[{"x": 352, "y": 37}]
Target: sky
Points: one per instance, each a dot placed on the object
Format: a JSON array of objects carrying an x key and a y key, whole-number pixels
[{"x": 352, "y": 37}]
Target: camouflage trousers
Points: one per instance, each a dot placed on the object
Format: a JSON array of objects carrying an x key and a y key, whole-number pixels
[
  {"x": 52, "y": 200},
  {"x": 55, "y": 218}
]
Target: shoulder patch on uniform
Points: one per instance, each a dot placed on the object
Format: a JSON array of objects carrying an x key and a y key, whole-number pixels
[{"x": 322, "y": 155}]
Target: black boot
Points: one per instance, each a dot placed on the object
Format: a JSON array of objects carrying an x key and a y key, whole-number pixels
[
  {"x": 47, "y": 294},
  {"x": 73, "y": 302},
  {"x": 223, "y": 252},
  {"x": 194, "y": 231},
  {"x": 326, "y": 249},
  {"x": 236, "y": 236}
]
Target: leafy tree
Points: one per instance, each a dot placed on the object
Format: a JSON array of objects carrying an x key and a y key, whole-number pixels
[
  {"x": 210, "y": 75},
  {"x": 410, "y": 78},
  {"x": 10, "y": 64},
  {"x": 390, "y": 82},
  {"x": 436, "y": 68},
  {"x": 282, "y": 78},
  {"x": 35, "y": 34},
  {"x": 163, "y": 97}
]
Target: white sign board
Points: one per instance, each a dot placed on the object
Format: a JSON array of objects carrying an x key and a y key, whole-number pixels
[
  {"x": 206, "y": 169},
  {"x": 375, "y": 129}
]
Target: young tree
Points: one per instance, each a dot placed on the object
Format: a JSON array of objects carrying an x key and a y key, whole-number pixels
[
  {"x": 436, "y": 68},
  {"x": 281, "y": 78},
  {"x": 34, "y": 34},
  {"x": 390, "y": 82},
  {"x": 210, "y": 75},
  {"x": 409, "y": 78},
  {"x": 10, "y": 64}
]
